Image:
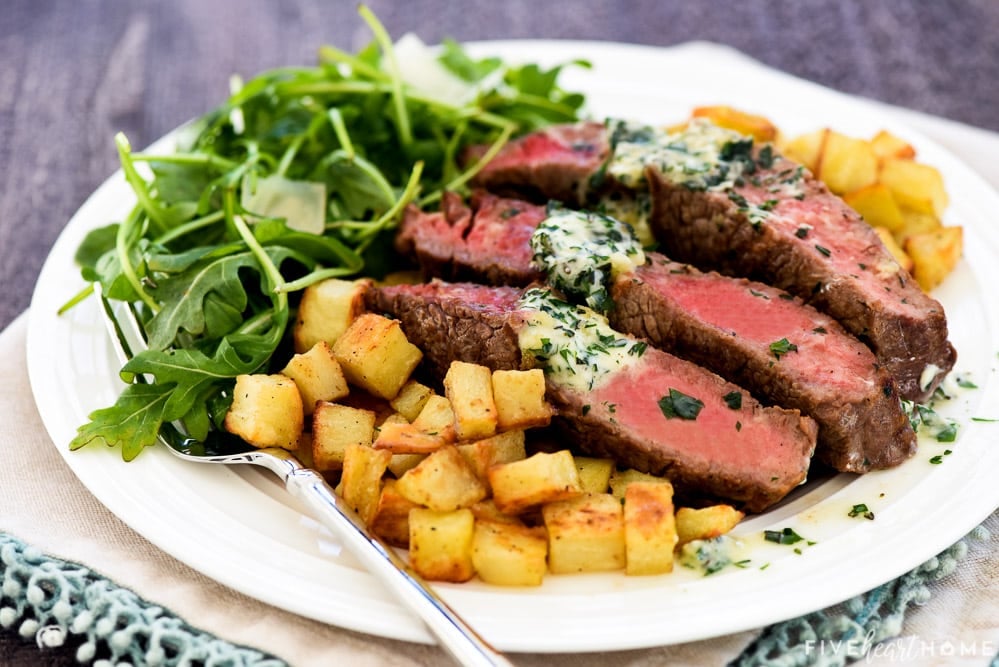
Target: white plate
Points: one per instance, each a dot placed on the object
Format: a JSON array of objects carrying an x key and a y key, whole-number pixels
[{"x": 237, "y": 527}]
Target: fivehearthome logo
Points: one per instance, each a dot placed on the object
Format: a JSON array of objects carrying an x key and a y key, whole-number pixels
[{"x": 900, "y": 649}]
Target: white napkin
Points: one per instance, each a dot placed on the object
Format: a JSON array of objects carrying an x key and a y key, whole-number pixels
[{"x": 43, "y": 503}]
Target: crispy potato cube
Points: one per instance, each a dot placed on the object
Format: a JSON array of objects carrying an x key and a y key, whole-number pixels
[
  {"x": 876, "y": 203},
  {"x": 402, "y": 463},
  {"x": 916, "y": 222},
  {"x": 705, "y": 523},
  {"x": 411, "y": 399},
  {"x": 326, "y": 310},
  {"x": 303, "y": 452},
  {"x": 437, "y": 418},
  {"x": 585, "y": 534},
  {"x": 847, "y": 164},
  {"x": 507, "y": 554},
  {"x": 407, "y": 439},
  {"x": 888, "y": 239},
  {"x": 266, "y": 411},
  {"x": 318, "y": 376},
  {"x": 541, "y": 478},
  {"x": 361, "y": 482},
  {"x": 887, "y": 145},
  {"x": 469, "y": 387},
  {"x": 807, "y": 148},
  {"x": 440, "y": 544},
  {"x": 620, "y": 479},
  {"x": 442, "y": 481},
  {"x": 486, "y": 510},
  {"x": 376, "y": 355},
  {"x": 520, "y": 399},
  {"x": 594, "y": 474},
  {"x": 649, "y": 528},
  {"x": 391, "y": 519},
  {"x": 915, "y": 185},
  {"x": 935, "y": 254},
  {"x": 334, "y": 428},
  {"x": 501, "y": 448},
  {"x": 758, "y": 127},
  {"x": 401, "y": 278}
]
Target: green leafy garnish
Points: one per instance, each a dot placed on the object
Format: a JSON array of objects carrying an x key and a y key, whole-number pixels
[
  {"x": 781, "y": 347},
  {"x": 678, "y": 404},
  {"x": 301, "y": 175}
]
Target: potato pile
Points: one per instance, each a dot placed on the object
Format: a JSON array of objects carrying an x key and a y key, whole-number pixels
[
  {"x": 451, "y": 477},
  {"x": 901, "y": 198}
]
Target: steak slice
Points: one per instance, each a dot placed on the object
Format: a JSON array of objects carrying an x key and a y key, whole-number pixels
[
  {"x": 554, "y": 163},
  {"x": 751, "y": 455},
  {"x": 489, "y": 240},
  {"x": 782, "y": 350},
  {"x": 777, "y": 225},
  {"x": 728, "y": 326}
]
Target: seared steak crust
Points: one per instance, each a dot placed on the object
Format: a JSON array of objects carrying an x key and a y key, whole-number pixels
[{"x": 752, "y": 456}]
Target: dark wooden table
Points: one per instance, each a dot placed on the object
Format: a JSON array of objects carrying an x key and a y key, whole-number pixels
[{"x": 74, "y": 73}]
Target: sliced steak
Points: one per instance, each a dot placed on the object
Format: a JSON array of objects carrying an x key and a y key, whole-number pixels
[
  {"x": 775, "y": 224},
  {"x": 489, "y": 240},
  {"x": 751, "y": 455},
  {"x": 782, "y": 350},
  {"x": 554, "y": 163},
  {"x": 728, "y": 326}
]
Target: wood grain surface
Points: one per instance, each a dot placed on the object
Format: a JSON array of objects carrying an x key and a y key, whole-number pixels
[{"x": 73, "y": 73}]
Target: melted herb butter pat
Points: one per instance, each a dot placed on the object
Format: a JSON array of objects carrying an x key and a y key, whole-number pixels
[
  {"x": 575, "y": 345},
  {"x": 582, "y": 252},
  {"x": 701, "y": 156}
]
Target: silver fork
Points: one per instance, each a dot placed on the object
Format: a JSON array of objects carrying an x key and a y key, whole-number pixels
[{"x": 464, "y": 644}]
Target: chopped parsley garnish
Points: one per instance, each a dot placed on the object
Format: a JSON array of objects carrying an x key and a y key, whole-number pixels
[
  {"x": 861, "y": 509},
  {"x": 785, "y": 536},
  {"x": 679, "y": 404},
  {"x": 782, "y": 347},
  {"x": 819, "y": 330},
  {"x": 733, "y": 399},
  {"x": 801, "y": 232},
  {"x": 825, "y": 251},
  {"x": 638, "y": 349}
]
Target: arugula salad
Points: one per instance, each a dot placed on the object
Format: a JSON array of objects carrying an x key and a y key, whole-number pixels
[{"x": 301, "y": 175}]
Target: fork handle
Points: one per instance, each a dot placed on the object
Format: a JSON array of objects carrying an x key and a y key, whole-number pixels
[{"x": 455, "y": 635}]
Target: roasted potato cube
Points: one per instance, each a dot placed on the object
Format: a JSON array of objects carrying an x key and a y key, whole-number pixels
[
  {"x": 401, "y": 278},
  {"x": 326, "y": 310},
  {"x": 520, "y": 399},
  {"x": 440, "y": 544},
  {"x": 266, "y": 411},
  {"x": 807, "y": 148},
  {"x": 402, "y": 463},
  {"x": 407, "y": 439},
  {"x": 876, "y": 203},
  {"x": 758, "y": 127},
  {"x": 376, "y": 355},
  {"x": 847, "y": 164},
  {"x": 442, "y": 481},
  {"x": 888, "y": 239},
  {"x": 437, "y": 418},
  {"x": 541, "y": 478},
  {"x": 887, "y": 145},
  {"x": 469, "y": 387},
  {"x": 585, "y": 534},
  {"x": 501, "y": 448},
  {"x": 705, "y": 523},
  {"x": 620, "y": 479},
  {"x": 594, "y": 474},
  {"x": 486, "y": 510},
  {"x": 411, "y": 399},
  {"x": 318, "y": 376},
  {"x": 304, "y": 450},
  {"x": 649, "y": 528},
  {"x": 916, "y": 222},
  {"x": 361, "y": 482},
  {"x": 935, "y": 254},
  {"x": 391, "y": 519},
  {"x": 915, "y": 185},
  {"x": 334, "y": 428},
  {"x": 507, "y": 554}
]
